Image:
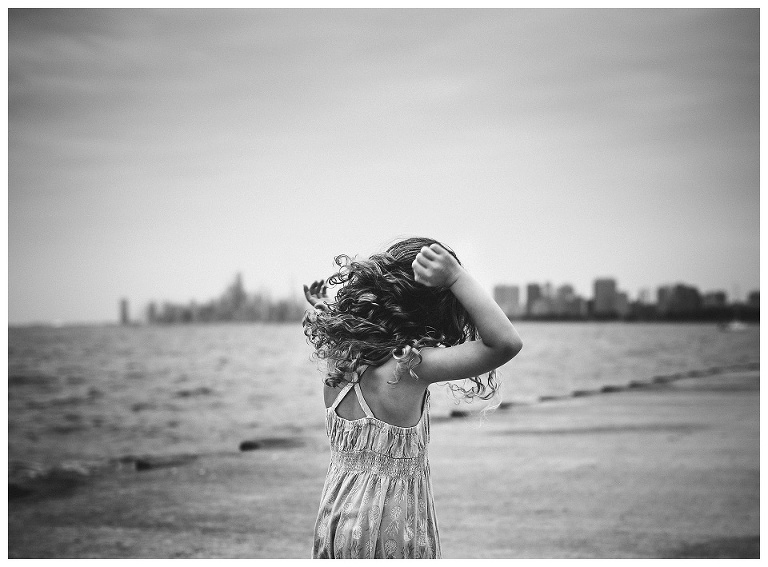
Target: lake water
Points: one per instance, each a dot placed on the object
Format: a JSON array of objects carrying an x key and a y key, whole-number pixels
[{"x": 90, "y": 394}]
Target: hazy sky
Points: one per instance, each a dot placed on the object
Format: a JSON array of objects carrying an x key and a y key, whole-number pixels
[{"x": 155, "y": 154}]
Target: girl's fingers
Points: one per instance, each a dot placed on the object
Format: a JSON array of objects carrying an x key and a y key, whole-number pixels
[
  {"x": 436, "y": 248},
  {"x": 315, "y": 289},
  {"x": 428, "y": 253},
  {"x": 421, "y": 261},
  {"x": 421, "y": 274}
]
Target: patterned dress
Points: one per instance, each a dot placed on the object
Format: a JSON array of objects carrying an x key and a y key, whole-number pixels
[{"x": 377, "y": 499}]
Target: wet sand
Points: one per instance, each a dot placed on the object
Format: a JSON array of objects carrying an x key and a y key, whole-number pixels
[{"x": 665, "y": 469}]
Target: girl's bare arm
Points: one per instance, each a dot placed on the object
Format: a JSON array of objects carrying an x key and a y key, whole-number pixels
[{"x": 435, "y": 266}]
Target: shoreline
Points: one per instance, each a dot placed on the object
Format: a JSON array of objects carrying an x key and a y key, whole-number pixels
[
  {"x": 669, "y": 468},
  {"x": 21, "y": 472}
]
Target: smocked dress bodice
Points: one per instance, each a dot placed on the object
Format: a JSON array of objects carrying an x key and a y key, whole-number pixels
[{"x": 377, "y": 499}]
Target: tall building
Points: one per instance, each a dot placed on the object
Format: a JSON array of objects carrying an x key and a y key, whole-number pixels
[
  {"x": 235, "y": 294},
  {"x": 560, "y": 302},
  {"x": 679, "y": 299},
  {"x": 714, "y": 299},
  {"x": 565, "y": 293},
  {"x": 508, "y": 298},
  {"x": 663, "y": 298},
  {"x": 567, "y": 304},
  {"x": 605, "y": 297},
  {"x": 124, "y": 316},
  {"x": 542, "y": 307},
  {"x": 533, "y": 293},
  {"x": 622, "y": 304}
]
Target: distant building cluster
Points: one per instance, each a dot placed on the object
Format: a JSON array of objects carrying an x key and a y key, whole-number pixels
[
  {"x": 234, "y": 305},
  {"x": 673, "y": 302},
  {"x": 542, "y": 301}
]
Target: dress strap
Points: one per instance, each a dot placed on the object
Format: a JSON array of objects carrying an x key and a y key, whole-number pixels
[
  {"x": 361, "y": 399},
  {"x": 341, "y": 395},
  {"x": 357, "y": 375}
]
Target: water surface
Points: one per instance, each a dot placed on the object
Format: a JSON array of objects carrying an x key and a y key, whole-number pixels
[{"x": 96, "y": 393}]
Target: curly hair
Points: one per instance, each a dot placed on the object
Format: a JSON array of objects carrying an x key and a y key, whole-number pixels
[{"x": 381, "y": 311}]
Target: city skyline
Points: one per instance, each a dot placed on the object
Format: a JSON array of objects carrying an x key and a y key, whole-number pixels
[
  {"x": 645, "y": 294},
  {"x": 678, "y": 301},
  {"x": 237, "y": 304},
  {"x": 508, "y": 294},
  {"x": 152, "y": 151}
]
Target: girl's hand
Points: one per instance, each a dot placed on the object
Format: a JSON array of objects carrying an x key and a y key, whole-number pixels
[
  {"x": 316, "y": 294},
  {"x": 434, "y": 266}
]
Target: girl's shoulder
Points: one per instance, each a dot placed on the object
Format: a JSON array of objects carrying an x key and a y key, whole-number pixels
[
  {"x": 375, "y": 380},
  {"x": 330, "y": 394}
]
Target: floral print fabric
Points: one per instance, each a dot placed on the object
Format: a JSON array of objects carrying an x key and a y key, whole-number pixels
[{"x": 377, "y": 499}]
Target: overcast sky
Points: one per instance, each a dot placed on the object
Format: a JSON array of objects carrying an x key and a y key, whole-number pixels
[{"x": 155, "y": 154}]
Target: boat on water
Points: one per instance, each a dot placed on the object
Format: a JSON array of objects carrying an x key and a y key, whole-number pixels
[{"x": 734, "y": 326}]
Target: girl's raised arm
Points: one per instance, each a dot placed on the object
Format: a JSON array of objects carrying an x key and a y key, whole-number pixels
[{"x": 499, "y": 341}]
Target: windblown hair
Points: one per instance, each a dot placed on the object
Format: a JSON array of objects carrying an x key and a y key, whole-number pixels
[{"x": 381, "y": 311}]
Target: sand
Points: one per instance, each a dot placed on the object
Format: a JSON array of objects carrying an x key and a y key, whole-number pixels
[{"x": 660, "y": 470}]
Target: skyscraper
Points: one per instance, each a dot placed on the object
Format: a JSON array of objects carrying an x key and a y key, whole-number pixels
[
  {"x": 605, "y": 297},
  {"x": 124, "y": 316},
  {"x": 678, "y": 299},
  {"x": 533, "y": 292},
  {"x": 714, "y": 299}
]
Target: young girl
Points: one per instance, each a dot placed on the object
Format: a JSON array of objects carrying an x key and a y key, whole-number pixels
[{"x": 384, "y": 338}]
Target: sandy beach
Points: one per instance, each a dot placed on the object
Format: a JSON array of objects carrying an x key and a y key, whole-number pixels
[{"x": 664, "y": 468}]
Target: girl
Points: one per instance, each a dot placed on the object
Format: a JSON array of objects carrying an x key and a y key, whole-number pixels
[{"x": 384, "y": 338}]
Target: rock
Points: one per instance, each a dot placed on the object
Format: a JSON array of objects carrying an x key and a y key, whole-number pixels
[
  {"x": 271, "y": 443},
  {"x": 549, "y": 398},
  {"x": 147, "y": 463},
  {"x": 144, "y": 465},
  {"x": 582, "y": 393},
  {"x": 201, "y": 391},
  {"x": 54, "y": 483},
  {"x": 250, "y": 445},
  {"x": 16, "y": 491}
]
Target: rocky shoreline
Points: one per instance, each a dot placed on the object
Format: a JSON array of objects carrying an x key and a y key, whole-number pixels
[{"x": 693, "y": 437}]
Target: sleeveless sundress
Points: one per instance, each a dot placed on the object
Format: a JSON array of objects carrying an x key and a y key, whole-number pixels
[{"x": 377, "y": 498}]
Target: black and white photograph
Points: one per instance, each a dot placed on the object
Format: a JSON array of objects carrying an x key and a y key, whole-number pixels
[{"x": 383, "y": 282}]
